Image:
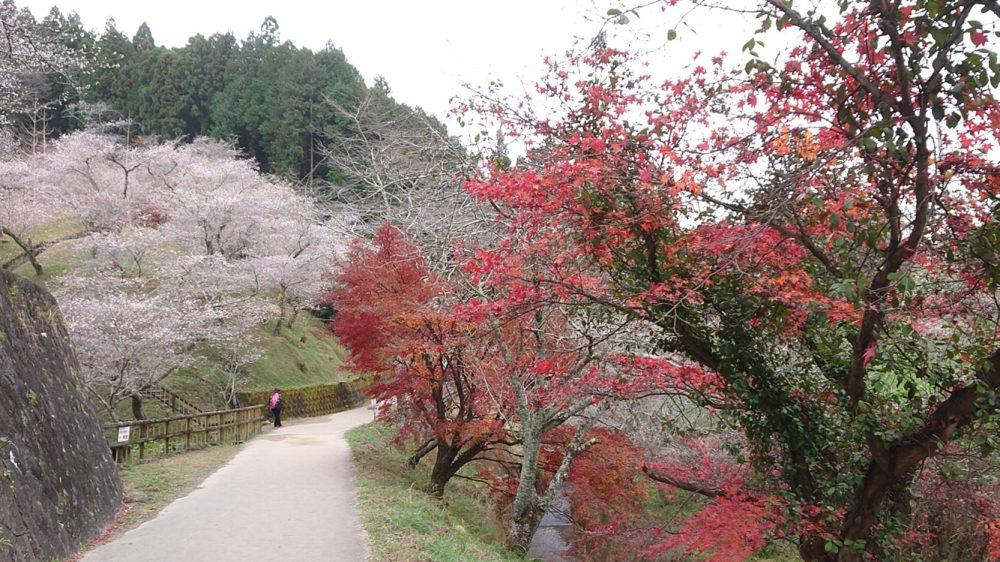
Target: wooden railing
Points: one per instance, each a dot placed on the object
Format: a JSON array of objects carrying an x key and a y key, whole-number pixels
[
  {"x": 165, "y": 435},
  {"x": 175, "y": 404}
]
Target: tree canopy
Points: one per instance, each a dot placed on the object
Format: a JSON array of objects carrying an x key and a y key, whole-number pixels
[{"x": 802, "y": 243}]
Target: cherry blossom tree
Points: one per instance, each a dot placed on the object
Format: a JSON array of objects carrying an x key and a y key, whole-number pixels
[
  {"x": 136, "y": 318},
  {"x": 201, "y": 199},
  {"x": 193, "y": 229},
  {"x": 220, "y": 206},
  {"x": 128, "y": 339},
  {"x": 106, "y": 183},
  {"x": 20, "y": 212}
]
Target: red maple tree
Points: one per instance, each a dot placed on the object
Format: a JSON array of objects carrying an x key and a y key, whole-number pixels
[
  {"x": 395, "y": 317},
  {"x": 817, "y": 234}
]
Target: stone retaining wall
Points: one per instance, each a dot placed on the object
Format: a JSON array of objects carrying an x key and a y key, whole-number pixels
[{"x": 58, "y": 485}]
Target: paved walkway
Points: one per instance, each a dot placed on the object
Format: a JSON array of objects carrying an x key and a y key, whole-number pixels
[{"x": 288, "y": 495}]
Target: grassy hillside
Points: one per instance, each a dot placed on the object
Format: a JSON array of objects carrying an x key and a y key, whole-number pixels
[
  {"x": 57, "y": 260},
  {"x": 301, "y": 355}
]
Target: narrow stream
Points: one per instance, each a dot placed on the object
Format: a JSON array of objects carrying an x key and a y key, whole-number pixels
[{"x": 551, "y": 541}]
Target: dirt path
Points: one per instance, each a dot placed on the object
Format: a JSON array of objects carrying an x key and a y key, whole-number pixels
[{"x": 288, "y": 495}]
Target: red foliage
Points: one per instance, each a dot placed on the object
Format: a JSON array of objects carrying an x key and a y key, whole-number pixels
[
  {"x": 393, "y": 314},
  {"x": 807, "y": 245},
  {"x": 730, "y": 528},
  {"x": 605, "y": 481},
  {"x": 383, "y": 295},
  {"x": 848, "y": 229},
  {"x": 607, "y": 494}
]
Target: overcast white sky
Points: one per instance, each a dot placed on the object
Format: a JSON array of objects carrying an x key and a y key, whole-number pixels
[{"x": 426, "y": 49}]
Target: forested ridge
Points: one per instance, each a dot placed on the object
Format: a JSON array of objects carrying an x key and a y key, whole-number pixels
[{"x": 268, "y": 96}]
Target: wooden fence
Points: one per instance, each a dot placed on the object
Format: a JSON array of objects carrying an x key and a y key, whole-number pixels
[{"x": 164, "y": 435}]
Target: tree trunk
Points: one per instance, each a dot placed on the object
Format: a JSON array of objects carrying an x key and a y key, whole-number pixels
[
  {"x": 890, "y": 466},
  {"x": 421, "y": 452},
  {"x": 522, "y": 529},
  {"x": 29, "y": 250},
  {"x": 811, "y": 549},
  {"x": 450, "y": 459},
  {"x": 137, "y": 407},
  {"x": 444, "y": 468},
  {"x": 282, "y": 301},
  {"x": 104, "y": 402},
  {"x": 232, "y": 401},
  {"x": 34, "y": 264},
  {"x": 525, "y": 514}
]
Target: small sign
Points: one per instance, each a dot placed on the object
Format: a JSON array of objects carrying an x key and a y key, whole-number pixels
[{"x": 123, "y": 433}]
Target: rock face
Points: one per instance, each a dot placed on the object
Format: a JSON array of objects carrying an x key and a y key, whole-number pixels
[{"x": 58, "y": 485}]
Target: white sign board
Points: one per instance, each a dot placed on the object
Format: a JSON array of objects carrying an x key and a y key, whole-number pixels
[{"x": 123, "y": 433}]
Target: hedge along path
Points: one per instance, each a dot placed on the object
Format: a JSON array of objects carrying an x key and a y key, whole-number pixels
[
  {"x": 288, "y": 495},
  {"x": 313, "y": 400}
]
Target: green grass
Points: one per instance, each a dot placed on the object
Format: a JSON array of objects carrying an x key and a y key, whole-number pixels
[
  {"x": 8, "y": 250},
  {"x": 56, "y": 261},
  {"x": 47, "y": 232},
  {"x": 302, "y": 355},
  {"x": 406, "y": 524}
]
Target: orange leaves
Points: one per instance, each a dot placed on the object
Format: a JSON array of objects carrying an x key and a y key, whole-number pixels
[
  {"x": 737, "y": 520},
  {"x": 804, "y": 143},
  {"x": 992, "y": 529},
  {"x": 807, "y": 146},
  {"x": 386, "y": 315},
  {"x": 605, "y": 481},
  {"x": 782, "y": 143},
  {"x": 730, "y": 528},
  {"x": 690, "y": 186}
]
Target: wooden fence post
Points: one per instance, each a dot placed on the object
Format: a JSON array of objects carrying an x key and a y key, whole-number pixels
[{"x": 222, "y": 426}]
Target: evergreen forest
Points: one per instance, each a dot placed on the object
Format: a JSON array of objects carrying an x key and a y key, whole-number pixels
[{"x": 275, "y": 101}]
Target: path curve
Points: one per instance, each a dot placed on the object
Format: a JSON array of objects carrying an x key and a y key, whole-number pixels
[{"x": 287, "y": 495}]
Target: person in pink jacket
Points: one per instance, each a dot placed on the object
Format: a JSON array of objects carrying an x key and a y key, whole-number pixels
[{"x": 274, "y": 404}]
